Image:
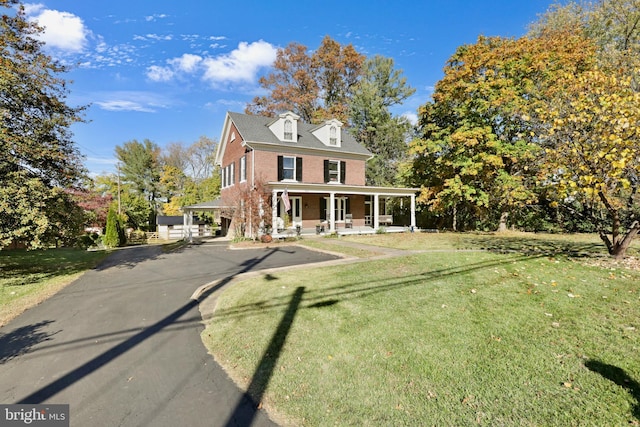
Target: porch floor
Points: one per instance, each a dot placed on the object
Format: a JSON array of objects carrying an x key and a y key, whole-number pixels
[{"x": 341, "y": 231}]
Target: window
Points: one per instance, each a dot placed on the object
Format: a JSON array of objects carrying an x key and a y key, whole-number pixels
[
  {"x": 333, "y": 138},
  {"x": 288, "y": 167},
  {"x": 243, "y": 168},
  {"x": 334, "y": 171},
  {"x": 341, "y": 209},
  {"x": 232, "y": 173},
  {"x": 288, "y": 130}
]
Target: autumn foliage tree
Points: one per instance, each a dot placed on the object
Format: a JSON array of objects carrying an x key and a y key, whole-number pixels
[
  {"x": 316, "y": 87},
  {"x": 39, "y": 159},
  {"x": 249, "y": 207},
  {"x": 477, "y": 152},
  {"x": 189, "y": 175},
  {"x": 592, "y": 151}
]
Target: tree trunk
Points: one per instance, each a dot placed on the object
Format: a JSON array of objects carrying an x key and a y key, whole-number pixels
[
  {"x": 455, "y": 215},
  {"x": 619, "y": 247},
  {"x": 503, "y": 222}
]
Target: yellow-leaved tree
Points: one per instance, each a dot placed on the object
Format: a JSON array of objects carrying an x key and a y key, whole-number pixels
[{"x": 592, "y": 151}]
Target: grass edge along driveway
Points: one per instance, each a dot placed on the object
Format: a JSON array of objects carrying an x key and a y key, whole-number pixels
[{"x": 439, "y": 338}]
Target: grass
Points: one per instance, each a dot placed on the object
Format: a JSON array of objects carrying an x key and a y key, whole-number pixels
[
  {"x": 29, "y": 277},
  {"x": 330, "y": 245},
  {"x": 502, "y": 334}
]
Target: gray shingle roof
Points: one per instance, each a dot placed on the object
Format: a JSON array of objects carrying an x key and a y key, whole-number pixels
[{"x": 256, "y": 129}]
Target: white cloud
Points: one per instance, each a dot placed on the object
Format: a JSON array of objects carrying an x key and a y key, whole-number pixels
[
  {"x": 158, "y": 37},
  {"x": 145, "y": 102},
  {"x": 159, "y": 74},
  {"x": 124, "y": 105},
  {"x": 62, "y": 30},
  {"x": 241, "y": 64},
  {"x": 187, "y": 62},
  {"x": 155, "y": 16},
  {"x": 411, "y": 117},
  {"x": 33, "y": 8}
]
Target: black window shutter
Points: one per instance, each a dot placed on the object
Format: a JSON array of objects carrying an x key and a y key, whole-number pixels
[
  {"x": 347, "y": 206},
  {"x": 343, "y": 172},
  {"x": 326, "y": 171},
  {"x": 323, "y": 208},
  {"x": 299, "y": 169},
  {"x": 280, "y": 173}
]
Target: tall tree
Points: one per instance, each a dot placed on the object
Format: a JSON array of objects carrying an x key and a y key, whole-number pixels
[
  {"x": 477, "y": 151},
  {"x": 380, "y": 88},
  {"x": 189, "y": 174},
  {"x": 140, "y": 167},
  {"x": 612, "y": 25},
  {"x": 593, "y": 151},
  {"x": 316, "y": 87},
  {"x": 39, "y": 157}
]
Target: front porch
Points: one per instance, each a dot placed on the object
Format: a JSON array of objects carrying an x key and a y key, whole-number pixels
[{"x": 339, "y": 209}]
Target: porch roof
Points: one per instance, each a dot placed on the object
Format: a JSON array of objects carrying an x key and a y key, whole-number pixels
[
  {"x": 299, "y": 187},
  {"x": 205, "y": 206}
]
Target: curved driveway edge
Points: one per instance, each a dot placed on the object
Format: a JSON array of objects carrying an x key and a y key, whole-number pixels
[{"x": 121, "y": 345}]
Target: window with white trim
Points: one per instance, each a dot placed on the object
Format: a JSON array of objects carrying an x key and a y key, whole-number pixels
[
  {"x": 243, "y": 168},
  {"x": 288, "y": 167},
  {"x": 334, "y": 171},
  {"x": 333, "y": 135},
  {"x": 288, "y": 130}
]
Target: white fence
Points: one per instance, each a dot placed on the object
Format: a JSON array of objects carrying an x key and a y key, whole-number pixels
[{"x": 177, "y": 232}]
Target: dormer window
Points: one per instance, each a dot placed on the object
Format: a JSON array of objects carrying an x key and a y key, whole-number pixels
[
  {"x": 288, "y": 130},
  {"x": 285, "y": 127},
  {"x": 329, "y": 133},
  {"x": 333, "y": 136}
]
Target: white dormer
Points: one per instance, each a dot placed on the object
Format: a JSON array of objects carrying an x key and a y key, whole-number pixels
[
  {"x": 329, "y": 133},
  {"x": 286, "y": 127}
]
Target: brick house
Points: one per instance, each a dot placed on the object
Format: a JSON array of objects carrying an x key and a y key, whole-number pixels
[{"x": 321, "y": 168}]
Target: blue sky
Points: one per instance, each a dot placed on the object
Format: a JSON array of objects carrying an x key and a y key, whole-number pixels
[{"x": 168, "y": 71}]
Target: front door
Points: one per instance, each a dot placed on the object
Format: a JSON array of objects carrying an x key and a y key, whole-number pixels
[{"x": 296, "y": 210}]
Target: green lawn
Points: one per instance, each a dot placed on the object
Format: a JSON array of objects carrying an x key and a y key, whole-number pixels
[
  {"x": 29, "y": 277},
  {"x": 504, "y": 331}
]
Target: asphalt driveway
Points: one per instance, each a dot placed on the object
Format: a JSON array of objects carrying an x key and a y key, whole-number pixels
[{"x": 122, "y": 344}]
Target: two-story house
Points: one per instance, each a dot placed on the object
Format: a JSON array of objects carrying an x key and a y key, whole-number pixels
[{"x": 320, "y": 168}]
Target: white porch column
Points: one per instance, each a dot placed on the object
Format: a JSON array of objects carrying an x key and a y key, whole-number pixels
[
  {"x": 185, "y": 219},
  {"x": 274, "y": 211},
  {"x": 332, "y": 212},
  {"x": 376, "y": 211},
  {"x": 413, "y": 211},
  {"x": 189, "y": 226}
]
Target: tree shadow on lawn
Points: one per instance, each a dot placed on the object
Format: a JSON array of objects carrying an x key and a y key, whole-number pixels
[
  {"x": 20, "y": 341},
  {"x": 330, "y": 296},
  {"x": 620, "y": 377},
  {"x": 537, "y": 246}
]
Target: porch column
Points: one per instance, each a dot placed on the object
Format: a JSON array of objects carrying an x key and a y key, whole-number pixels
[
  {"x": 376, "y": 211},
  {"x": 274, "y": 211},
  {"x": 413, "y": 211},
  {"x": 189, "y": 223},
  {"x": 185, "y": 219},
  {"x": 332, "y": 212}
]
